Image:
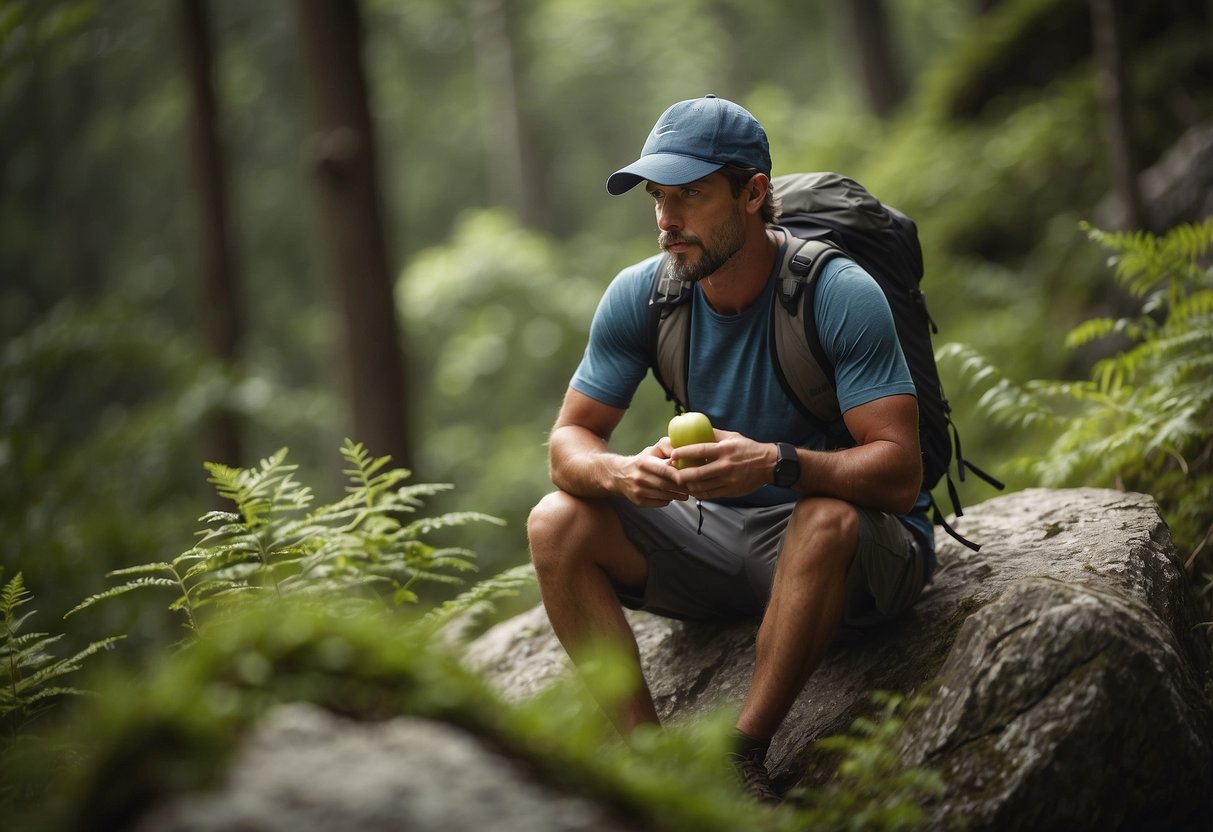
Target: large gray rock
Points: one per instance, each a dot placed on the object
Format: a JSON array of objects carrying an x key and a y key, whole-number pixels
[
  {"x": 1063, "y": 664},
  {"x": 306, "y": 770}
]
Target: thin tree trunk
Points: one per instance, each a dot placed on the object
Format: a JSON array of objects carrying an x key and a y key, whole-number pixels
[
  {"x": 1116, "y": 99},
  {"x": 221, "y": 308},
  {"x": 881, "y": 73},
  {"x": 513, "y": 177},
  {"x": 342, "y": 155}
]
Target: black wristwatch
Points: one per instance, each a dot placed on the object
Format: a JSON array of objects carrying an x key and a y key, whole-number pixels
[{"x": 787, "y": 465}]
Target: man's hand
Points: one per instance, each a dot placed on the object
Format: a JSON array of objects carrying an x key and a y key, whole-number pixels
[
  {"x": 735, "y": 465},
  {"x": 648, "y": 479}
]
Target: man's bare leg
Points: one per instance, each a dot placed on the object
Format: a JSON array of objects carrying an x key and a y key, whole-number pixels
[
  {"x": 578, "y": 547},
  {"x": 804, "y": 612}
]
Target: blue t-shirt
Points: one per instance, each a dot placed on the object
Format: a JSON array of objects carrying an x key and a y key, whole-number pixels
[{"x": 737, "y": 386}]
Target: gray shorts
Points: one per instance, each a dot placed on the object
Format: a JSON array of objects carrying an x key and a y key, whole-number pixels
[{"x": 727, "y": 571}]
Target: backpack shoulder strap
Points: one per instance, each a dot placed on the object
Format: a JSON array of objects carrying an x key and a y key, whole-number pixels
[
  {"x": 800, "y": 361},
  {"x": 669, "y": 328}
]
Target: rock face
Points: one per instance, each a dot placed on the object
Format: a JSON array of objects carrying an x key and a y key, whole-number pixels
[
  {"x": 1063, "y": 663},
  {"x": 306, "y": 770}
]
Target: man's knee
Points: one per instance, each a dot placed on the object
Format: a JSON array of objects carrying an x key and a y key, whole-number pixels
[
  {"x": 826, "y": 516},
  {"x": 561, "y": 522},
  {"x": 822, "y": 528},
  {"x": 553, "y": 512}
]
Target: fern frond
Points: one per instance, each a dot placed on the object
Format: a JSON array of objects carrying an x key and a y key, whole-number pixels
[
  {"x": 13, "y": 595},
  {"x": 29, "y": 648},
  {"x": 14, "y": 623},
  {"x": 122, "y": 589},
  {"x": 1091, "y": 330},
  {"x": 481, "y": 597},
  {"x": 435, "y": 577},
  {"x": 73, "y": 663},
  {"x": 277, "y": 546},
  {"x": 141, "y": 569},
  {"x": 412, "y": 494},
  {"x": 368, "y": 483},
  {"x": 27, "y": 664},
  {"x": 212, "y": 517},
  {"x": 426, "y": 525},
  {"x": 260, "y": 492},
  {"x": 1143, "y": 420},
  {"x": 1143, "y": 261}
]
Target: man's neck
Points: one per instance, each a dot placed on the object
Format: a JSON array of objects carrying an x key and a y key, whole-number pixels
[{"x": 733, "y": 288}]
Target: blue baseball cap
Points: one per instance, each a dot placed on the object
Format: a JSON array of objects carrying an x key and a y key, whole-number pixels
[{"x": 691, "y": 140}]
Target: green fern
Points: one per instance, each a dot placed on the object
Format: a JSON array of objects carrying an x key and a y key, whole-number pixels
[
  {"x": 27, "y": 668},
  {"x": 468, "y": 607},
  {"x": 357, "y": 550},
  {"x": 873, "y": 788},
  {"x": 1144, "y": 419}
]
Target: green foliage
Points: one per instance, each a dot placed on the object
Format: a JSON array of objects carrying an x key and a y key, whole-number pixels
[
  {"x": 29, "y": 672},
  {"x": 356, "y": 550},
  {"x": 1142, "y": 419},
  {"x": 495, "y": 341},
  {"x": 1003, "y": 46},
  {"x": 467, "y": 608},
  {"x": 873, "y": 788},
  {"x": 176, "y": 730}
]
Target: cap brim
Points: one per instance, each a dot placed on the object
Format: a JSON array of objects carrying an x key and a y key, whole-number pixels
[{"x": 662, "y": 168}]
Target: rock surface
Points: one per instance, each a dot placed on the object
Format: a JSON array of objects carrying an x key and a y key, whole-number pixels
[
  {"x": 306, "y": 770},
  {"x": 1063, "y": 662}
]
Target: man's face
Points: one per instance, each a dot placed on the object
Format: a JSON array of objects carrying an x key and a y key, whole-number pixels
[{"x": 701, "y": 225}]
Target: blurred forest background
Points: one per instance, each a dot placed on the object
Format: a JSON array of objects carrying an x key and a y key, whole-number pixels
[{"x": 228, "y": 227}]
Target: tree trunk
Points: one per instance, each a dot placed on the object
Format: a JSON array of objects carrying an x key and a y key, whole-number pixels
[
  {"x": 1116, "y": 100},
  {"x": 512, "y": 174},
  {"x": 882, "y": 78},
  {"x": 342, "y": 155},
  {"x": 221, "y": 308}
]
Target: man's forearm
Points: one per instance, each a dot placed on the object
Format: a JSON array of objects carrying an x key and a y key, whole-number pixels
[
  {"x": 881, "y": 475},
  {"x": 580, "y": 462}
]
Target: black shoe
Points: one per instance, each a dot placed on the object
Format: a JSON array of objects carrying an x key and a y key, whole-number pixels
[{"x": 754, "y": 779}]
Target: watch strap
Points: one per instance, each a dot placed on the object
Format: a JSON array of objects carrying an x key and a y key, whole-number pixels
[{"x": 787, "y": 465}]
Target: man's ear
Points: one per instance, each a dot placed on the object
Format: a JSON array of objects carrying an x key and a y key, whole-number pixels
[{"x": 756, "y": 192}]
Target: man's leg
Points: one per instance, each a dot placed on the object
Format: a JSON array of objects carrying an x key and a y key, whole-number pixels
[
  {"x": 579, "y": 548},
  {"x": 804, "y": 611}
]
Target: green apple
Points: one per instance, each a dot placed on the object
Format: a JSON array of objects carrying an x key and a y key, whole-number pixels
[{"x": 690, "y": 428}]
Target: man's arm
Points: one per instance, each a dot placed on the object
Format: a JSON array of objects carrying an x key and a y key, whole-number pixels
[
  {"x": 581, "y": 463},
  {"x": 883, "y": 471}
]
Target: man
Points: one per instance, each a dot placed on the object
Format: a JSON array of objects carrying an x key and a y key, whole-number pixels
[{"x": 795, "y": 531}]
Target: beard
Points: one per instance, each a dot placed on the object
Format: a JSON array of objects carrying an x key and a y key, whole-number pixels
[{"x": 729, "y": 238}]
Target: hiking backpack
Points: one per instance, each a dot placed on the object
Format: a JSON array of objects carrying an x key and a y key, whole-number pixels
[{"x": 826, "y": 216}]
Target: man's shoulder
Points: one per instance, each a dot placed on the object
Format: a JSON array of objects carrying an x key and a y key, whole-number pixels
[
  {"x": 845, "y": 284},
  {"x": 843, "y": 270}
]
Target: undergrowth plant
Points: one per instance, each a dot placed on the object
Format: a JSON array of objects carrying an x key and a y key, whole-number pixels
[
  {"x": 664, "y": 780},
  {"x": 356, "y": 551},
  {"x": 874, "y": 788},
  {"x": 30, "y": 675},
  {"x": 1144, "y": 419}
]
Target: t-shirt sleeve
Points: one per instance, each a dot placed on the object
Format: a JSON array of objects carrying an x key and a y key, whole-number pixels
[
  {"x": 859, "y": 336},
  {"x": 616, "y": 355}
]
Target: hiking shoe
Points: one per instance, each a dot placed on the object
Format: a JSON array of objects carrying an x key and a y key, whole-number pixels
[{"x": 755, "y": 779}]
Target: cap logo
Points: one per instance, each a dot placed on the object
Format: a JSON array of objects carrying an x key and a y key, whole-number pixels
[{"x": 666, "y": 129}]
